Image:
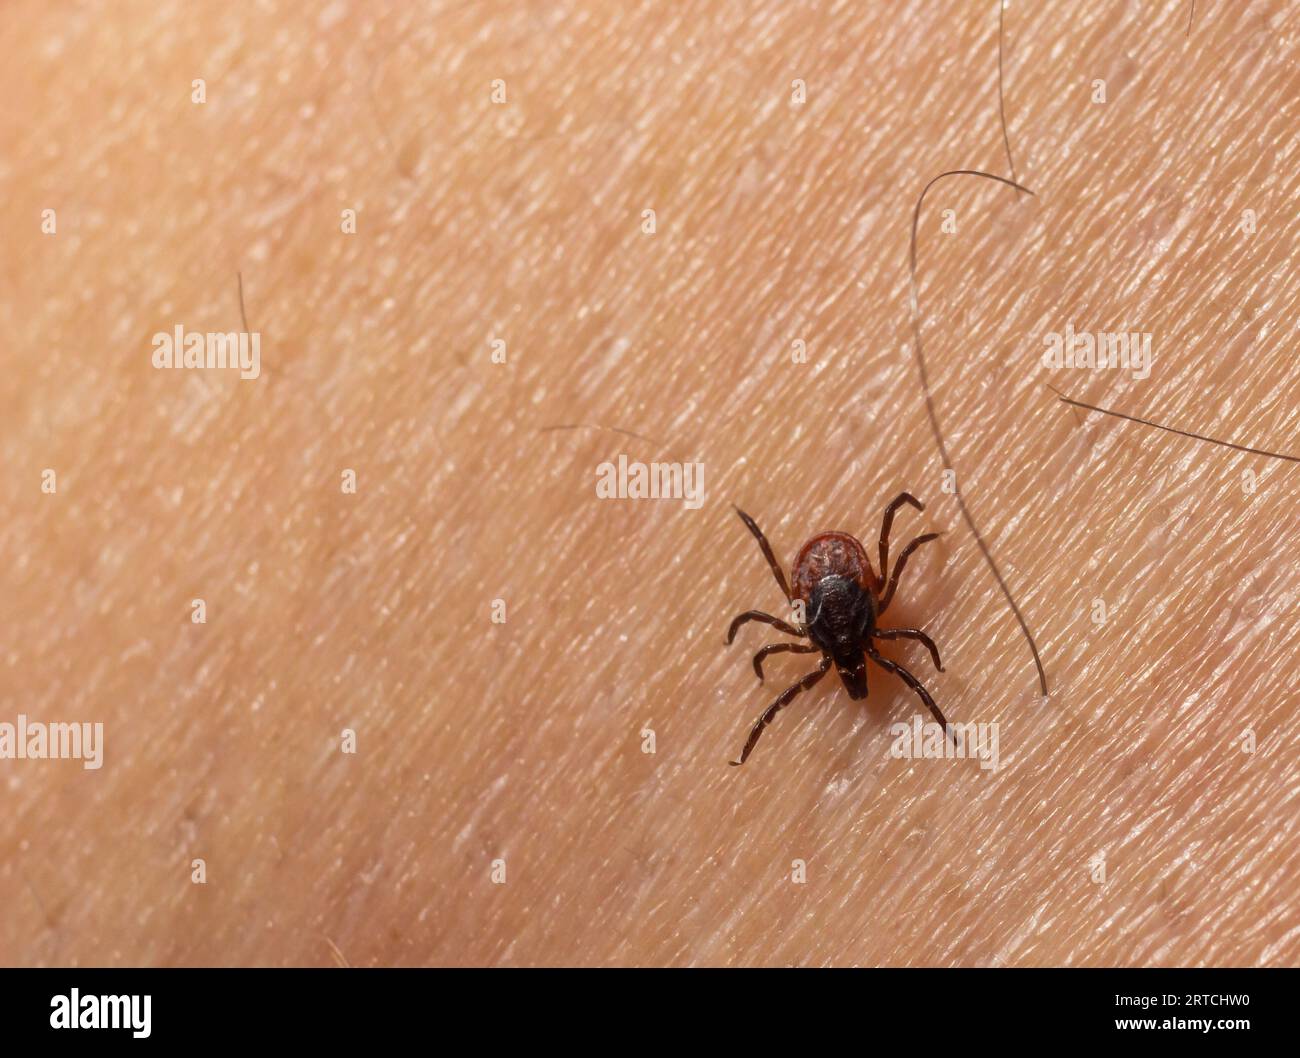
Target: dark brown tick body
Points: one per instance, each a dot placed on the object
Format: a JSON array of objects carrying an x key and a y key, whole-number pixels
[{"x": 842, "y": 598}]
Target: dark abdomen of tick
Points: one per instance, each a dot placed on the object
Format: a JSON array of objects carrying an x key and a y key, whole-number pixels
[{"x": 834, "y": 579}]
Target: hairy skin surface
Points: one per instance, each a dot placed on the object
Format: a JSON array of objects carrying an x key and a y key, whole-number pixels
[{"x": 522, "y": 742}]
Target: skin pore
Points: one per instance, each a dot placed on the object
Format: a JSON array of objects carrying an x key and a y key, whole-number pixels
[{"x": 1127, "y": 823}]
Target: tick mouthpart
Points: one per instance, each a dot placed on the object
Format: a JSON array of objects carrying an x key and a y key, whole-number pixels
[{"x": 854, "y": 677}]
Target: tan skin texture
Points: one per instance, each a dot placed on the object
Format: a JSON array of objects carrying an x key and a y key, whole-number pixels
[{"x": 522, "y": 221}]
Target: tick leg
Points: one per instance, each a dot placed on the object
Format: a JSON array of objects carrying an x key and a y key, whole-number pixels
[
  {"x": 910, "y": 633},
  {"x": 765, "y": 618},
  {"x": 901, "y": 564},
  {"x": 781, "y": 648},
  {"x": 912, "y": 682},
  {"x": 888, "y": 523},
  {"x": 778, "y": 705},
  {"x": 767, "y": 552}
]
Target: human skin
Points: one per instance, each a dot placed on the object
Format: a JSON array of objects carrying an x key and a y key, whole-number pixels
[{"x": 522, "y": 743}]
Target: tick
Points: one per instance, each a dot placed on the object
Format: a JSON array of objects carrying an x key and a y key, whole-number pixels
[{"x": 836, "y": 585}]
